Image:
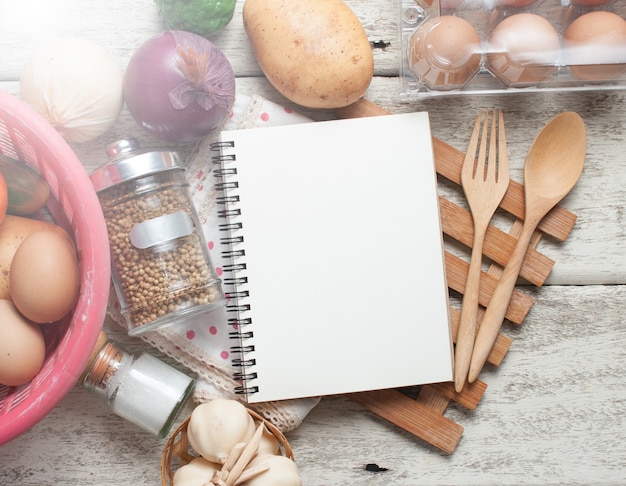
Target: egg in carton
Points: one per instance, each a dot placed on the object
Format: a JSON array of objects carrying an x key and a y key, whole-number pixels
[{"x": 488, "y": 46}]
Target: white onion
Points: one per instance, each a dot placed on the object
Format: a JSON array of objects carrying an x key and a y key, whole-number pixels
[{"x": 76, "y": 84}]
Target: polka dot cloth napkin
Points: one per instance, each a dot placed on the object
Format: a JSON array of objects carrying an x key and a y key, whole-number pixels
[{"x": 202, "y": 343}]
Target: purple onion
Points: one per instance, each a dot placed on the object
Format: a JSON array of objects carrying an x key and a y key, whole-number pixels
[{"x": 179, "y": 86}]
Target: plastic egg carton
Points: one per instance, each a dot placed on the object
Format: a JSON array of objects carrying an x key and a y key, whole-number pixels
[{"x": 494, "y": 46}]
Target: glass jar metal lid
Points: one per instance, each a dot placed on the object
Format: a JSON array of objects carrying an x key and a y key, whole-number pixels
[{"x": 127, "y": 162}]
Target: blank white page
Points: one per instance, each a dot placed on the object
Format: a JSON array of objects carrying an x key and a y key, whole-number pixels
[{"x": 343, "y": 248}]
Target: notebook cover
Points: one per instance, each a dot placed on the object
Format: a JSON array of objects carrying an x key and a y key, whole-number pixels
[{"x": 344, "y": 257}]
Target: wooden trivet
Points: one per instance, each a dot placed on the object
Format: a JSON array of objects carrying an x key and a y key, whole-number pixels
[{"x": 423, "y": 416}]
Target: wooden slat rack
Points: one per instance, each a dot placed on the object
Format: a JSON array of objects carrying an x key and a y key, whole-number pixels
[{"x": 424, "y": 416}]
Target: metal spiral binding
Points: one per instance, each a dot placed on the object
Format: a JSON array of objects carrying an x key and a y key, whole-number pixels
[
  {"x": 235, "y": 267},
  {"x": 229, "y": 240},
  {"x": 234, "y": 253},
  {"x": 230, "y": 226},
  {"x": 227, "y": 213},
  {"x": 236, "y": 281},
  {"x": 224, "y": 186},
  {"x": 226, "y": 171},
  {"x": 227, "y": 199},
  {"x": 237, "y": 308},
  {"x": 247, "y": 334}
]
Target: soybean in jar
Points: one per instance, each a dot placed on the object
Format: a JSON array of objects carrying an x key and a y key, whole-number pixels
[{"x": 161, "y": 267}]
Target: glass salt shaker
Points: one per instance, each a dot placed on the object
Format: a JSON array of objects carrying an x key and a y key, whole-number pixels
[
  {"x": 161, "y": 266},
  {"x": 138, "y": 387}
]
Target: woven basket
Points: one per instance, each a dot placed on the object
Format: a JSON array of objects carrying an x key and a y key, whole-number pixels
[
  {"x": 27, "y": 136},
  {"x": 177, "y": 451}
]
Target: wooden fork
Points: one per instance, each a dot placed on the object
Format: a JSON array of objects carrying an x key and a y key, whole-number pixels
[{"x": 484, "y": 180}]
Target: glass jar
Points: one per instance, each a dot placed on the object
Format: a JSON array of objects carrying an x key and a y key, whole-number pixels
[
  {"x": 138, "y": 387},
  {"x": 161, "y": 267}
]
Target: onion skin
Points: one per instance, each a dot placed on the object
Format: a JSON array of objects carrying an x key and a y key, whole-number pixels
[{"x": 179, "y": 86}]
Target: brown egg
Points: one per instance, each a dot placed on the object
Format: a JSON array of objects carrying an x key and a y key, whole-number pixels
[
  {"x": 523, "y": 49},
  {"x": 594, "y": 46},
  {"x": 44, "y": 278},
  {"x": 22, "y": 346},
  {"x": 444, "y": 52}
]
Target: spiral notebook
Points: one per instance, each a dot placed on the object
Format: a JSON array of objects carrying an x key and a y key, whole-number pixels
[{"x": 335, "y": 280}]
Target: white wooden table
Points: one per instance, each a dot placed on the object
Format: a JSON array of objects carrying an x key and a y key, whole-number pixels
[{"x": 554, "y": 410}]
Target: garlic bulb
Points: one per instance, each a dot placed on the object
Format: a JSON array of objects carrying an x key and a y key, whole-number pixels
[
  {"x": 282, "y": 471},
  {"x": 269, "y": 443},
  {"x": 215, "y": 427},
  {"x": 197, "y": 473},
  {"x": 76, "y": 85}
]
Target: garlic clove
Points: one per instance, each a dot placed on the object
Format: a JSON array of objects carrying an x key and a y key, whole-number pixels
[
  {"x": 215, "y": 427},
  {"x": 269, "y": 443},
  {"x": 282, "y": 471},
  {"x": 197, "y": 473}
]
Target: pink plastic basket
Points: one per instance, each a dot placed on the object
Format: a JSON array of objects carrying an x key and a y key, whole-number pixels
[{"x": 27, "y": 136}]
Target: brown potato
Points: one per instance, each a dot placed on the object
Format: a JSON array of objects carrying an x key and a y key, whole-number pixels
[{"x": 314, "y": 52}]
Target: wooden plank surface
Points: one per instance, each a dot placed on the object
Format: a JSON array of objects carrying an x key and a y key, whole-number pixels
[
  {"x": 412, "y": 416},
  {"x": 553, "y": 409}
]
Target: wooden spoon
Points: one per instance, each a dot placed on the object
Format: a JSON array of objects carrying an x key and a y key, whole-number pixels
[{"x": 552, "y": 168}]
